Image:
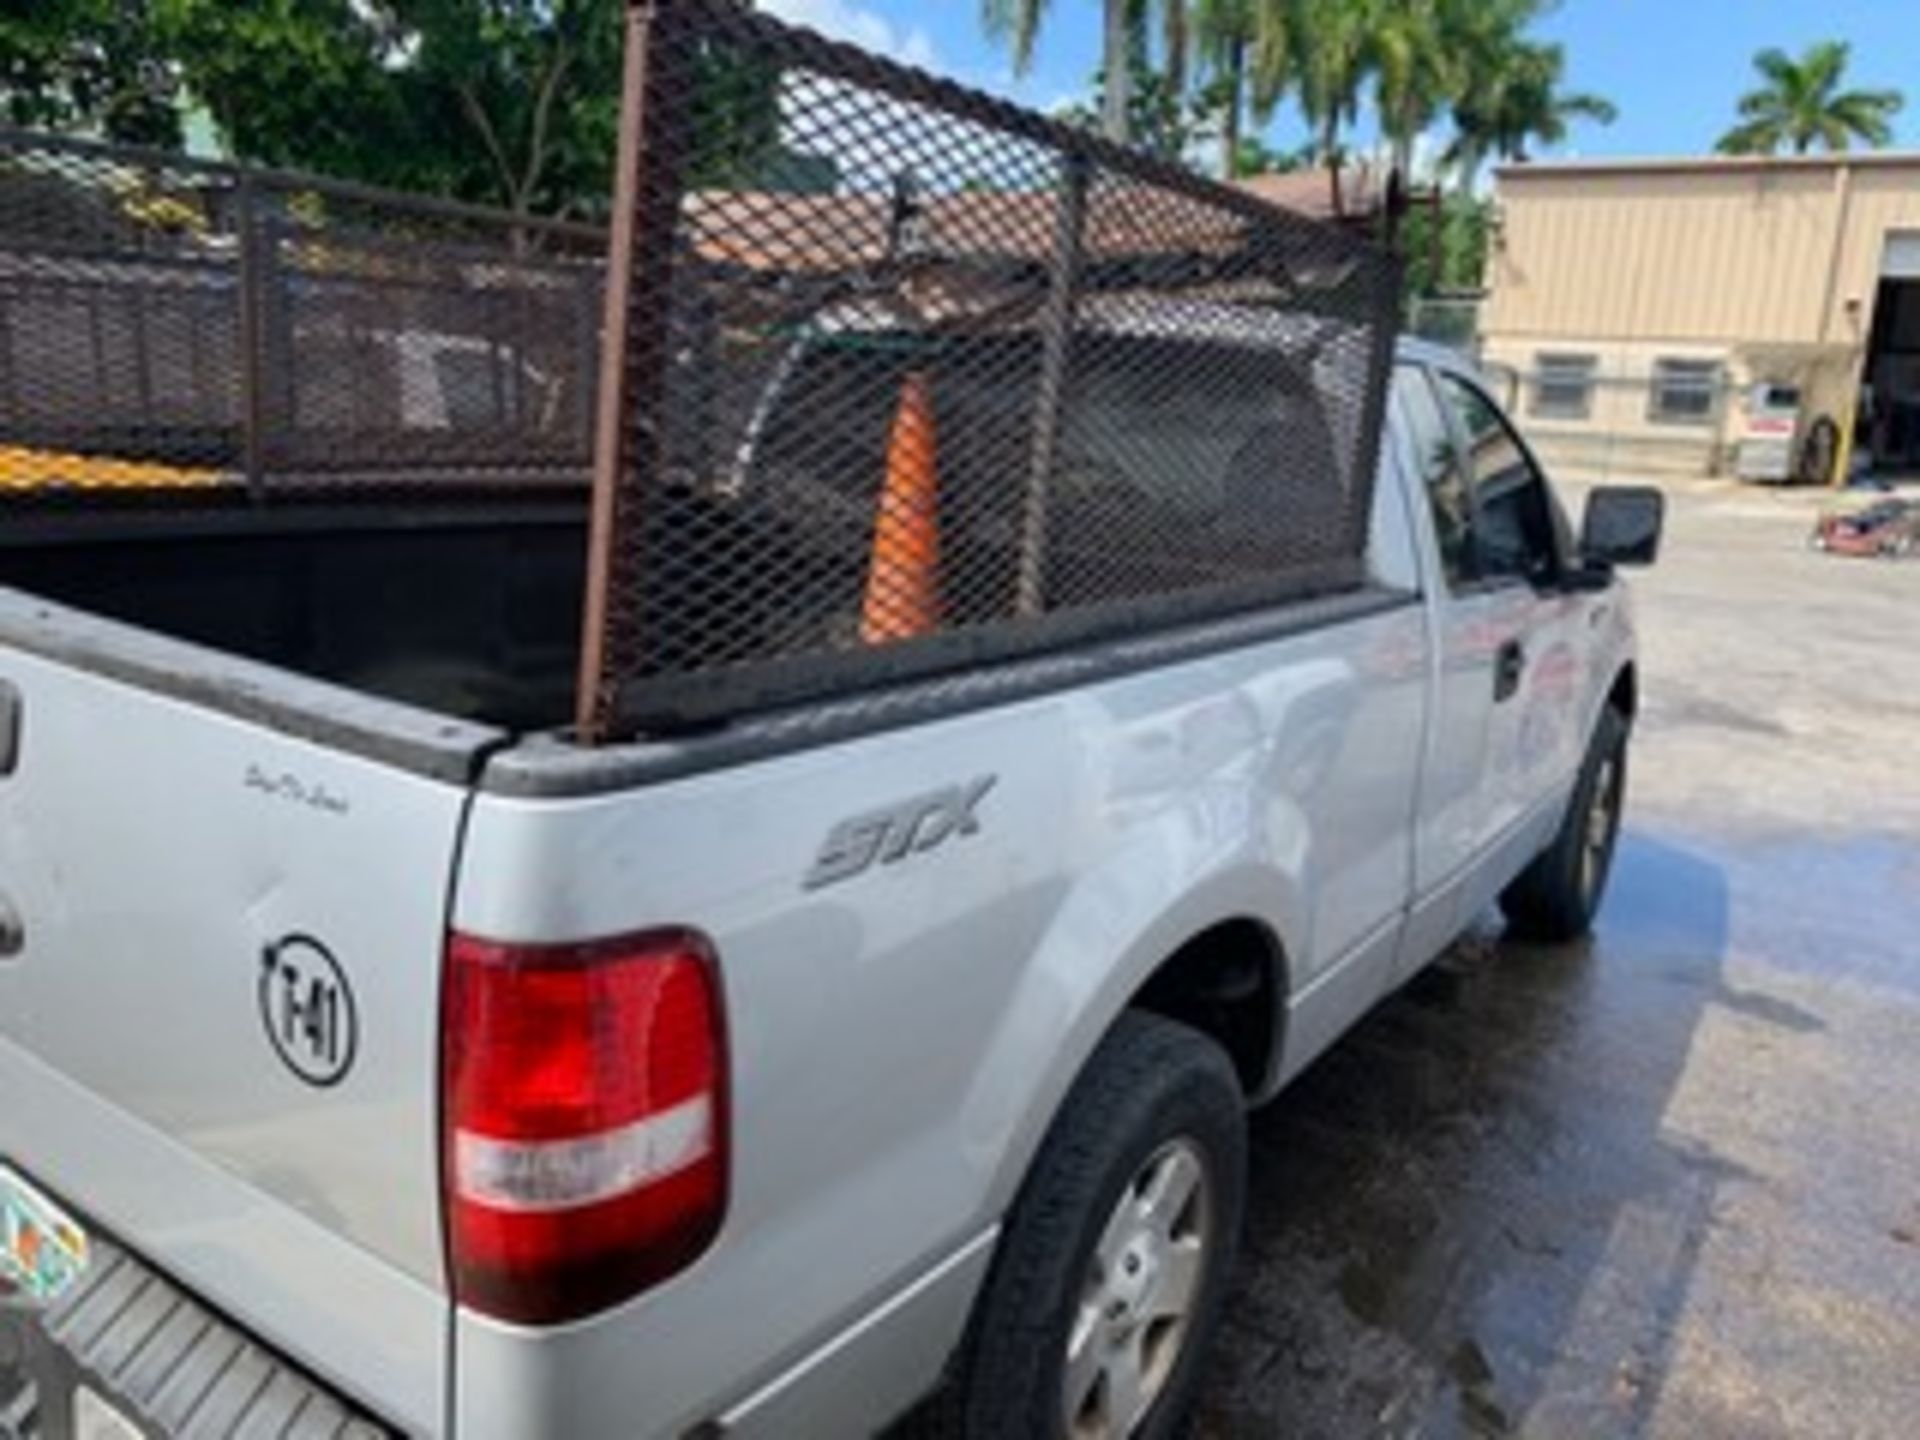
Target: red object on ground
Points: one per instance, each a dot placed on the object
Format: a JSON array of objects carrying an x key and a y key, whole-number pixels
[{"x": 1891, "y": 527}]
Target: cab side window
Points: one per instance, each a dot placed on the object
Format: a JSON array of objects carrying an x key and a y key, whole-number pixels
[
  {"x": 1440, "y": 476},
  {"x": 1513, "y": 515}
]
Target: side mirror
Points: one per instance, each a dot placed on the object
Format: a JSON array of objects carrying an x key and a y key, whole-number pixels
[{"x": 1622, "y": 525}]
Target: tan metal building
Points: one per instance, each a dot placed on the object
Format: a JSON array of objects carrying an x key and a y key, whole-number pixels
[{"x": 1641, "y": 302}]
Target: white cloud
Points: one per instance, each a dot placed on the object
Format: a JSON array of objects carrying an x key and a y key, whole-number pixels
[{"x": 844, "y": 20}]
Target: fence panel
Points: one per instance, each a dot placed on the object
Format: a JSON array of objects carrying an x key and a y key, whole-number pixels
[{"x": 173, "y": 323}]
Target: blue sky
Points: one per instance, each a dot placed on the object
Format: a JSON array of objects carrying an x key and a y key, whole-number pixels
[{"x": 1674, "y": 67}]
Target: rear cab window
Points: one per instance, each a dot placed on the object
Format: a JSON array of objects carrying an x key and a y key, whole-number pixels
[{"x": 1155, "y": 484}]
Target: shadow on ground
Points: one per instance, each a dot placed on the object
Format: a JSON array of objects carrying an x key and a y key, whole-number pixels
[{"x": 1469, "y": 1215}]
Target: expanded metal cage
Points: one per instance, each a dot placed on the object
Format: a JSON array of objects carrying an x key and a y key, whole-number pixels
[
  {"x": 893, "y": 378},
  {"x": 904, "y": 378},
  {"x": 168, "y": 324}
]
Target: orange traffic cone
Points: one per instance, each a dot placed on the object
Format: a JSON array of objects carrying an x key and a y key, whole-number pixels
[{"x": 903, "y": 577}]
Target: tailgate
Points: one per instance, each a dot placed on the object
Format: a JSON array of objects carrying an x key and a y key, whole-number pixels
[{"x": 218, "y": 1031}]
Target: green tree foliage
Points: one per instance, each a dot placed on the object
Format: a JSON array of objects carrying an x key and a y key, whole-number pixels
[
  {"x": 1448, "y": 253},
  {"x": 289, "y": 82},
  {"x": 1157, "y": 118},
  {"x": 1510, "y": 98},
  {"x": 511, "y": 103},
  {"x": 1224, "y": 32},
  {"x": 506, "y": 102},
  {"x": 1324, "y": 49},
  {"x": 86, "y": 64},
  {"x": 1256, "y": 157},
  {"x": 1417, "y": 66},
  {"x": 1124, "y": 26},
  {"x": 1017, "y": 24},
  {"x": 1801, "y": 105},
  {"x": 532, "y": 86},
  {"x": 1418, "y": 61}
]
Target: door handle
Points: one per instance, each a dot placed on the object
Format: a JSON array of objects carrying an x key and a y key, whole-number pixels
[
  {"x": 9, "y": 728},
  {"x": 1509, "y": 664},
  {"x": 13, "y": 934}
]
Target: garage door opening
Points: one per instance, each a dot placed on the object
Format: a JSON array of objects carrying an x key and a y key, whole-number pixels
[{"x": 1892, "y": 372}]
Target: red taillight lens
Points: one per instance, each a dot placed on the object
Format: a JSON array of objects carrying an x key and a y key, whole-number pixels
[{"x": 586, "y": 1124}]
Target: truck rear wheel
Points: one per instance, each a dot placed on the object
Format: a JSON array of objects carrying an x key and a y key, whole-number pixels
[
  {"x": 1111, "y": 1270},
  {"x": 1557, "y": 896}
]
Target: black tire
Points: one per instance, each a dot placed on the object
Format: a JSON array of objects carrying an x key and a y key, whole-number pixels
[
  {"x": 1818, "y": 453},
  {"x": 1557, "y": 896},
  {"x": 1153, "y": 1084}
]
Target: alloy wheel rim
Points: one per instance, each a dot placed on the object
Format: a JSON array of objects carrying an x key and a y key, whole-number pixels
[
  {"x": 1139, "y": 1296},
  {"x": 1597, "y": 842}
]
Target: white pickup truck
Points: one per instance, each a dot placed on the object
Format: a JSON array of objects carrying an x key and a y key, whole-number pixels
[{"x": 364, "y": 1069}]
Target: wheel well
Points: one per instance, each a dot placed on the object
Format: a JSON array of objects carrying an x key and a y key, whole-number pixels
[
  {"x": 1225, "y": 983},
  {"x": 1625, "y": 694}
]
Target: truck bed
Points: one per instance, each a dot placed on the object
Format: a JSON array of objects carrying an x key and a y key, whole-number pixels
[{"x": 467, "y": 608}]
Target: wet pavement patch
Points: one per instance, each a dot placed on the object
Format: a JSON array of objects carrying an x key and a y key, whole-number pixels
[{"x": 1610, "y": 1189}]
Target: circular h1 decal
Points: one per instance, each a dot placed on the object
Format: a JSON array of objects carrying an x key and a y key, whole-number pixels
[{"x": 307, "y": 1008}]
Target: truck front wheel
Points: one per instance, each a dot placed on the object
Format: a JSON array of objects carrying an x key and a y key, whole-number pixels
[
  {"x": 1557, "y": 896},
  {"x": 1114, "y": 1260}
]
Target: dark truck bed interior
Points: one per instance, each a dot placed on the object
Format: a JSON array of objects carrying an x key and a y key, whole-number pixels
[
  {"x": 470, "y": 609},
  {"x": 467, "y": 598}
]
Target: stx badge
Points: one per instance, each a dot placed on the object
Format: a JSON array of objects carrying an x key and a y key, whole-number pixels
[{"x": 890, "y": 835}]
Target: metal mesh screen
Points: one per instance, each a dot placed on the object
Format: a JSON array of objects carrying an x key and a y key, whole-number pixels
[
  {"x": 169, "y": 324},
  {"x": 904, "y": 378}
]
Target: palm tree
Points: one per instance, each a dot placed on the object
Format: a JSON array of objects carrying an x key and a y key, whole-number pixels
[
  {"x": 1224, "y": 33},
  {"x": 1118, "y": 21},
  {"x": 1323, "y": 49},
  {"x": 1123, "y": 29},
  {"x": 1801, "y": 105},
  {"x": 1512, "y": 97},
  {"x": 1176, "y": 33},
  {"x": 1019, "y": 22},
  {"x": 1270, "y": 55},
  {"x": 1416, "y": 66},
  {"x": 1482, "y": 38}
]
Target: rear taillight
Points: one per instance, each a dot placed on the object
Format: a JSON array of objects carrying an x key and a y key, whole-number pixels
[{"x": 585, "y": 1119}]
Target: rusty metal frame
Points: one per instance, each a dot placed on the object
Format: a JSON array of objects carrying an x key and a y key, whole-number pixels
[
  {"x": 633, "y": 359},
  {"x": 235, "y": 312},
  {"x": 254, "y": 257},
  {"x": 1056, "y": 329}
]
